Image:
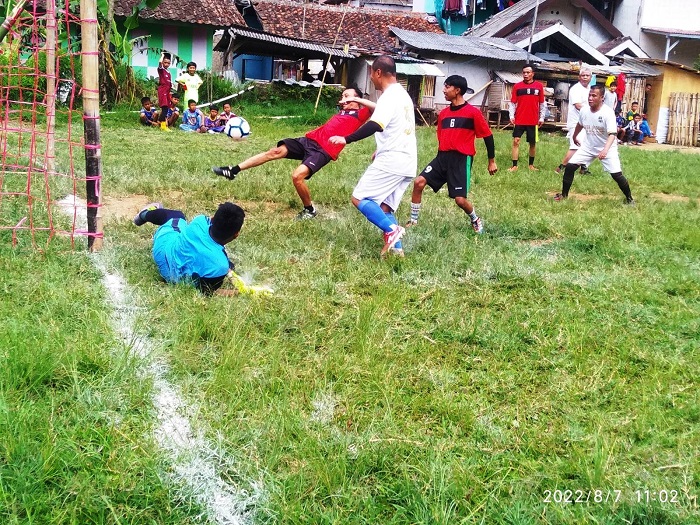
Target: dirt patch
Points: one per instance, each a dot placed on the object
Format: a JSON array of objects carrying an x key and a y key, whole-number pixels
[
  {"x": 115, "y": 208},
  {"x": 268, "y": 208},
  {"x": 670, "y": 197},
  {"x": 582, "y": 196},
  {"x": 536, "y": 243},
  {"x": 655, "y": 146}
]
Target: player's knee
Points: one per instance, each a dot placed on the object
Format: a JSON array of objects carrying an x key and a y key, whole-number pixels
[
  {"x": 419, "y": 183},
  {"x": 516, "y": 141},
  {"x": 277, "y": 152}
]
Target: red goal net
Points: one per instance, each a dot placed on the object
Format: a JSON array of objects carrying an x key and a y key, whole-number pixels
[{"x": 45, "y": 191}]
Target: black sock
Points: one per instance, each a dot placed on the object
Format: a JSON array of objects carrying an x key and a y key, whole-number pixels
[
  {"x": 160, "y": 216},
  {"x": 235, "y": 169},
  {"x": 622, "y": 183},
  {"x": 515, "y": 163},
  {"x": 309, "y": 208},
  {"x": 568, "y": 178},
  {"x": 531, "y": 160}
]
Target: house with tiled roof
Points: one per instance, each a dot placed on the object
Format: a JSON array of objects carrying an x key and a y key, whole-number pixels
[
  {"x": 184, "y": 28},
  {"x": 281, "y": 38}
]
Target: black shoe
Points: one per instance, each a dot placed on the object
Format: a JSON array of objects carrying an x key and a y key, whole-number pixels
[
  {"x": 306, "y": 214},
  {"x": 224, "y": 171},
  {"x": 629, "y": 201},
  {"x": 585, "y": 171}
]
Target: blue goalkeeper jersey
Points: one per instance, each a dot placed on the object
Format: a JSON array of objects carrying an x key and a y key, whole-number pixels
[{"x": 185, "y": 251}]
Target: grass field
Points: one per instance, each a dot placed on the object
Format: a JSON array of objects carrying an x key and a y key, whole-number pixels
[{"x": 478, "y": 380}]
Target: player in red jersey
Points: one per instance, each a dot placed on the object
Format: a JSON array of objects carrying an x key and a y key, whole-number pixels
[
  {"x": 527, "y": 109},
  {"x": 313, "y": 150},
  {"x": 458, "y": 126}
]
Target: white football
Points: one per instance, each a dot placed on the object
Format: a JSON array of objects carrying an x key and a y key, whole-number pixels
[{"x": 237, "y": 128}]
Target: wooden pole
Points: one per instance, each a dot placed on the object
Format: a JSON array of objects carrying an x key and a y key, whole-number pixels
[
  {"x": 51, "y": 34},
  {"x": 91, "y": 122},
  {"x": 323, "y": 79}
]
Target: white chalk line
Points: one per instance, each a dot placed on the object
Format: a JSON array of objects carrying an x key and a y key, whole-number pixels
[{"x": 196, "y": 464}]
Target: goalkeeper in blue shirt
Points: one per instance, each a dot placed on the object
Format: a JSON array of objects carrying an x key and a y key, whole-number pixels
[{"x": 194, "y": 251}]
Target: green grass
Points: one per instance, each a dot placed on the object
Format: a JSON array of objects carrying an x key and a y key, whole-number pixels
[{"x": 559, "y": 351}]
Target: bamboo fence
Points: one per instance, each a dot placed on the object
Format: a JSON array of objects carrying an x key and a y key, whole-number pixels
[{"x": 684, "y": 119}]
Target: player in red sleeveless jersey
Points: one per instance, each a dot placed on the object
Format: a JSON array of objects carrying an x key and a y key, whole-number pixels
[
  {"x": 527, "y": 109},
  {"x": 458, "y": 126},
  {"x": 313, "y": 150}
]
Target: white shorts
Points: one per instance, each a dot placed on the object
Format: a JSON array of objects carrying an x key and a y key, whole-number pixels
[
  {"x": 381, "y": 187},
  {"x": 585, "y": 156},
  {"x": 581, "y": 137}
]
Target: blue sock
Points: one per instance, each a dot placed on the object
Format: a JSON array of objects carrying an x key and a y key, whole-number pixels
[
  {"x": 375, "y": 215},
  {"x": 393, "y": 220}
]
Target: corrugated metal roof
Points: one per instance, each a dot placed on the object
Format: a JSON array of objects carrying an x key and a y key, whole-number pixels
[
  {"x": 498, "y": 48},
  {"x": 680, "y": 33},
  {"x": 509, "y": 77},
  {"x": 429, "y": 70},
  {"x": 504, "y": 18},
  {"x": 289, "y": 42},
  {"x": 632, "y": 66}
]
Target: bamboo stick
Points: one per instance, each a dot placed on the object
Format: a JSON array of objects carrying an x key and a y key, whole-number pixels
[{"x": 91, "y": 119}]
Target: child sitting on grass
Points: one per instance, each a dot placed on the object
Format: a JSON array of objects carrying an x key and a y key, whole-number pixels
[
  {"x": 225, "y": 115},
  {"x": 149, "y": 115},
  {"x": 211, "y": 122},
  {"x": 192, "y": 117}
]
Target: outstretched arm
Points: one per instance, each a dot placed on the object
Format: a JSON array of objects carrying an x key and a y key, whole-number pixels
[
  {"x": 362, "y": 101},
  {"x": 368, "y": 129}
]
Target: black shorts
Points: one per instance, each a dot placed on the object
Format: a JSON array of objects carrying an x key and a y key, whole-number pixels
[
  {"x": 519, "y": 130},
  {"x": 453, "y": 168},
  {"x": 308, "y": 151}
]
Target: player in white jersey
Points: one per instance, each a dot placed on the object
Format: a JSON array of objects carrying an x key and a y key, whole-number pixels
[
  {"x": 600, "y": 143},
  {"x": 378, "y": 193},
  {"x": 578, "y": 95}
]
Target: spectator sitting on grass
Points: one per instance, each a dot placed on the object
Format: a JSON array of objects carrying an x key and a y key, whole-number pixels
[
  {"x": 212, "y": 124},
  {"x": 225, "y": 115},
  {"x": 173, "y": 112},
  {"x": 192, "y": 118},
  {"x": 646, "y": 130},
  {"x": 633, "y": 132},
  {"x": 149, "y": 115}
]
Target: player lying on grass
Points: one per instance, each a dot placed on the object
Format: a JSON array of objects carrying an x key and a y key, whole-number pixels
[
  {"x": 458, "y": 126},
  {"x": 194, "y": 251},
  {"x": 313, "y": 150}
]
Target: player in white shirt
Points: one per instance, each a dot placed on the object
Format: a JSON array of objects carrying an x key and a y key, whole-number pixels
[
  {"x": 600, "y": 143},
  {"x": 378, "y": 193},
  {"x": 578, "y": 97}
]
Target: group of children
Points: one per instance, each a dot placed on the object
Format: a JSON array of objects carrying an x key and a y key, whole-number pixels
[
  {"x": 193, "y": 120},
  {"x": 633, "y": 127}
]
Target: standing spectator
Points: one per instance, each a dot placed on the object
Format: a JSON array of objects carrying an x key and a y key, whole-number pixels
[
  {"x": 165, "y": 85},
  {"x": 378, "y": 193},
  {"x": 621, "y": 88},
  {"x": 190, "y": 81},
  {"x": 527, "y": 109},
  {"x": 647, "y": 93},
  {"x": 578, "y": 98},
  {"x": 600, "y": 143},
  {"x": 610, "y": 96}
]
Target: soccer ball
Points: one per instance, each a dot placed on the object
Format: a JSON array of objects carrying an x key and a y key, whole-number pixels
[{"x": 237, "y": 128}]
